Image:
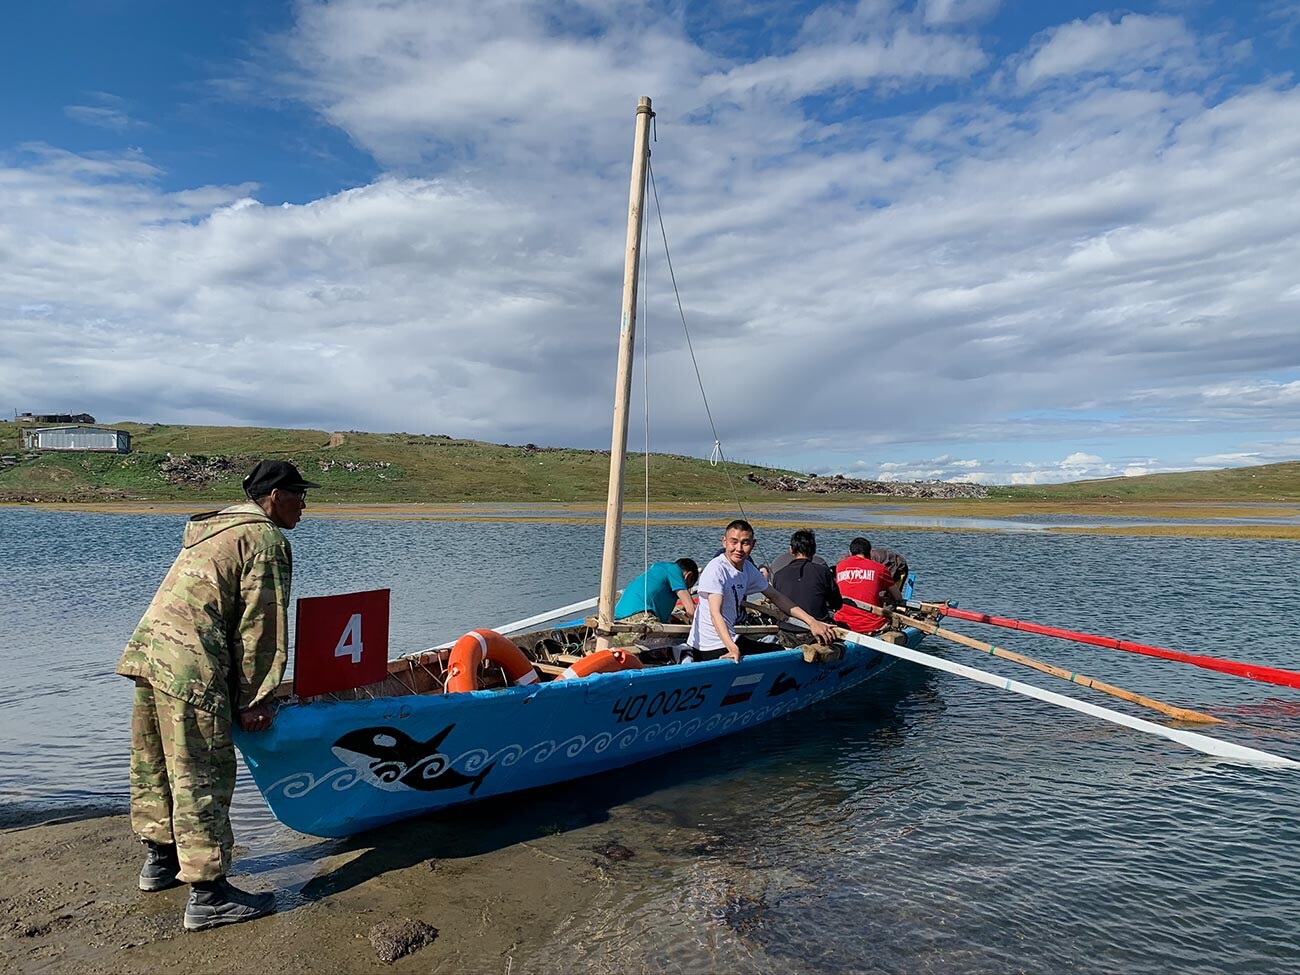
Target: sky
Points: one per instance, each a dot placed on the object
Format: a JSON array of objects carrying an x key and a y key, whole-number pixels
[{"x": 1005, "y": 242}]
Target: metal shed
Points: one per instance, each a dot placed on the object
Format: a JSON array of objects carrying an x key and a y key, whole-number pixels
[{"x": 77, "y": 438}]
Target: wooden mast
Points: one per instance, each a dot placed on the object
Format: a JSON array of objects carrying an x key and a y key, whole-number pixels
[{"x": 623, "y": 382}]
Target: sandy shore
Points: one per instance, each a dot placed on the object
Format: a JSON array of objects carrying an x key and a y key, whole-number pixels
[{"x": 69, "y": 901}]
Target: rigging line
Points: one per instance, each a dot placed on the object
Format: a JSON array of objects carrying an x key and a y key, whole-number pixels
[{"x": 668, "y": 259}]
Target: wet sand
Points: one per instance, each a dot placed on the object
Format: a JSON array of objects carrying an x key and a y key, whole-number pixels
[{"x": 69, "y": 902}]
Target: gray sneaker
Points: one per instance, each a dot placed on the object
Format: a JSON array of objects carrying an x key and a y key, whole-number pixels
[
  {"x": 213, "y": 903},
  {"x": 160, "y": 866}
]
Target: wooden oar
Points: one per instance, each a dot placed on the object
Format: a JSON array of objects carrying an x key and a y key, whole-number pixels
[
  {"x": 1267, "y": 675},
  {"x": 1191, "y": 739},
  {"x": 1083, "y": 680}
]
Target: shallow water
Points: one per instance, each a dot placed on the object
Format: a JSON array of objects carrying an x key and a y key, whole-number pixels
[
  {"x": 921, "y": 824},
  {"x": 887, "y": 515}
]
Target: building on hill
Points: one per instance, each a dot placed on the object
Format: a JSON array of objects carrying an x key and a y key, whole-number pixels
[
  {"x": 54, "y": 418},
  {"x": 77, "y": 438}
]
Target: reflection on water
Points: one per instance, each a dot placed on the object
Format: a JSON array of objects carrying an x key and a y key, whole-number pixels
[{"x": 920, "y": 824}]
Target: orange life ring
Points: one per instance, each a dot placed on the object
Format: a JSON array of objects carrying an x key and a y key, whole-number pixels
[
  {"x": 601, "y": 662},
  {"x": 478, "y": 645}
]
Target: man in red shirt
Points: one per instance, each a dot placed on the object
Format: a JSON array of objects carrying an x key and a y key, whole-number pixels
[{"x": 860, "y": 578}]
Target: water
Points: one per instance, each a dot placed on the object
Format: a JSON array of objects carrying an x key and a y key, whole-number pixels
[
  {"x": 922, "y": 824},
  {"x": 884, "y": 514}
]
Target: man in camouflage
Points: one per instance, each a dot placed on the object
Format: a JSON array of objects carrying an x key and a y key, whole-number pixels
[{"x": 211, "y": 647}]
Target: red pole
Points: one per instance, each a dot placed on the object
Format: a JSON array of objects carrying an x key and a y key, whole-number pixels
[{"x": 1268, "y": 675}]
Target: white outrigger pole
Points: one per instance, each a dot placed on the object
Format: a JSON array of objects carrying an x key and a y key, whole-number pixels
[
  {"x": 1205, "y": 744},
  {"x": 1198, "y": 742},
  {"x": 623, "y": 382}
]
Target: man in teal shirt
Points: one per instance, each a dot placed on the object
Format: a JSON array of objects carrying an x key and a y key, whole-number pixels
[{"x": 659, "y": 590}]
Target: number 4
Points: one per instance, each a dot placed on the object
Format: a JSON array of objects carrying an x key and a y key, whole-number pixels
[{"x": 349, "y": 644}]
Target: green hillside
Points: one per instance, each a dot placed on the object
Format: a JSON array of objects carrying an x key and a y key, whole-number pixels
[
  {"x": 210, "y": 462},
  {"x": 1268, "y": 482}
]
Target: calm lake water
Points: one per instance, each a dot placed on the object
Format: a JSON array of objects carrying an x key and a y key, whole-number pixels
[
  {"x": 888, "y": 515},
  {"x": 923, "y": 823}
]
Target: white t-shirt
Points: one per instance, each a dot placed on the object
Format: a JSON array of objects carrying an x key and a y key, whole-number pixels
[{"x": 734, "y": 584}]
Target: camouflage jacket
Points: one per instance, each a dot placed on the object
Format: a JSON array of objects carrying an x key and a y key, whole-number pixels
[{"x": 217, "y": 632}]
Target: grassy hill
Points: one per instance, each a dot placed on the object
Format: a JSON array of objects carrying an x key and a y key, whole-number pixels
[
  {"x": 1268, "y": 482},
  {"x": 210, "y": 462}
]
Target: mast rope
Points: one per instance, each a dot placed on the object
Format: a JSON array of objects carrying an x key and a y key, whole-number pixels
[
  {"x": 645, "y": 385},
  {"x": 717, "y": 457}
]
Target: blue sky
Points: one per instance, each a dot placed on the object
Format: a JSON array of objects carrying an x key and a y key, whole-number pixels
[{"x": 966, "y": 239}]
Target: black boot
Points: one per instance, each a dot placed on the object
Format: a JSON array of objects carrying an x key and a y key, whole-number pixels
[
  {"x": 160, "y": 866},
  {"x": 213, "y": 903}
]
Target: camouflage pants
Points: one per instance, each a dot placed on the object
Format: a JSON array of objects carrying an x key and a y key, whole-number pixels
[{"x": 182, "y": 781}]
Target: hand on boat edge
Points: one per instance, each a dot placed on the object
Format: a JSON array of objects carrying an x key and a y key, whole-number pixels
[
  {"x": 824, "y": 632},
  {"x": 257, "y": 718}
]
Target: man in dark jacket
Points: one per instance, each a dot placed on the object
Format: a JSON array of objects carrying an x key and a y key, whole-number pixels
[{"x": 808, "y": 582}]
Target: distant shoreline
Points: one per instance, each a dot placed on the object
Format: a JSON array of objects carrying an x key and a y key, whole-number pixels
[{"x": 777, "y": 514}]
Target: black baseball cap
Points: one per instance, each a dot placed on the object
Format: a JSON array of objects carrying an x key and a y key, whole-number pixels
[{"x": 267, "y": 475}]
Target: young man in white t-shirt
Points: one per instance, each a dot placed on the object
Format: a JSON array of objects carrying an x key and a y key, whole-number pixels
[{"x": 724, "y": 584}]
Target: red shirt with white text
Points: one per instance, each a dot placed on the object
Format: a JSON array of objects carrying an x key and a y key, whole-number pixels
[{"x": 864, "y": 580}]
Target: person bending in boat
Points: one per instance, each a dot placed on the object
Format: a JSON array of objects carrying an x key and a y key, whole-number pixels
[
  {"x": 211, "y": 647},
  {"x": 808, "y": 582},
  {"x": 723, "y": 586},
  {"x": 862, "y": 578},
  {"x": 655, "y": 596},
  {"x": 658, "y": 591}
]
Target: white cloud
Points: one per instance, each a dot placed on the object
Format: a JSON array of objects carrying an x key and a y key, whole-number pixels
[
  {"x": 1134, "y": 42},
  {"x": 1266, "y": 453},
  {"x": 958, "y": 11},
  {"x": 1080, "y": 459},
  {"x": 1077, "y": 466},
  {"x": 900, "y": 57},
  {"x": 1239, "y": 459},
  {"x": 106, "y": 111},
  {"x": 1061, "y": 271}
]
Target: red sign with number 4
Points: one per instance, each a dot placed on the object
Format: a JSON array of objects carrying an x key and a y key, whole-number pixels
[{"x": 342, "y": 642}]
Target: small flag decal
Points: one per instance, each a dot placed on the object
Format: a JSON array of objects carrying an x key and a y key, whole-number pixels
[{"x": 741, "y": 689}]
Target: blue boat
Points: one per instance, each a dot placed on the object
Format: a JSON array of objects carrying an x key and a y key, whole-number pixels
[
  {"x": 442, "y": 729},
  {"x": 336, "y": 768}
]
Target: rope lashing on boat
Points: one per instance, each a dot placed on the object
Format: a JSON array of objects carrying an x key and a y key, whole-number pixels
[
  {"x": 397, "y": 678},
  {"x": 433, "y": 676}
]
